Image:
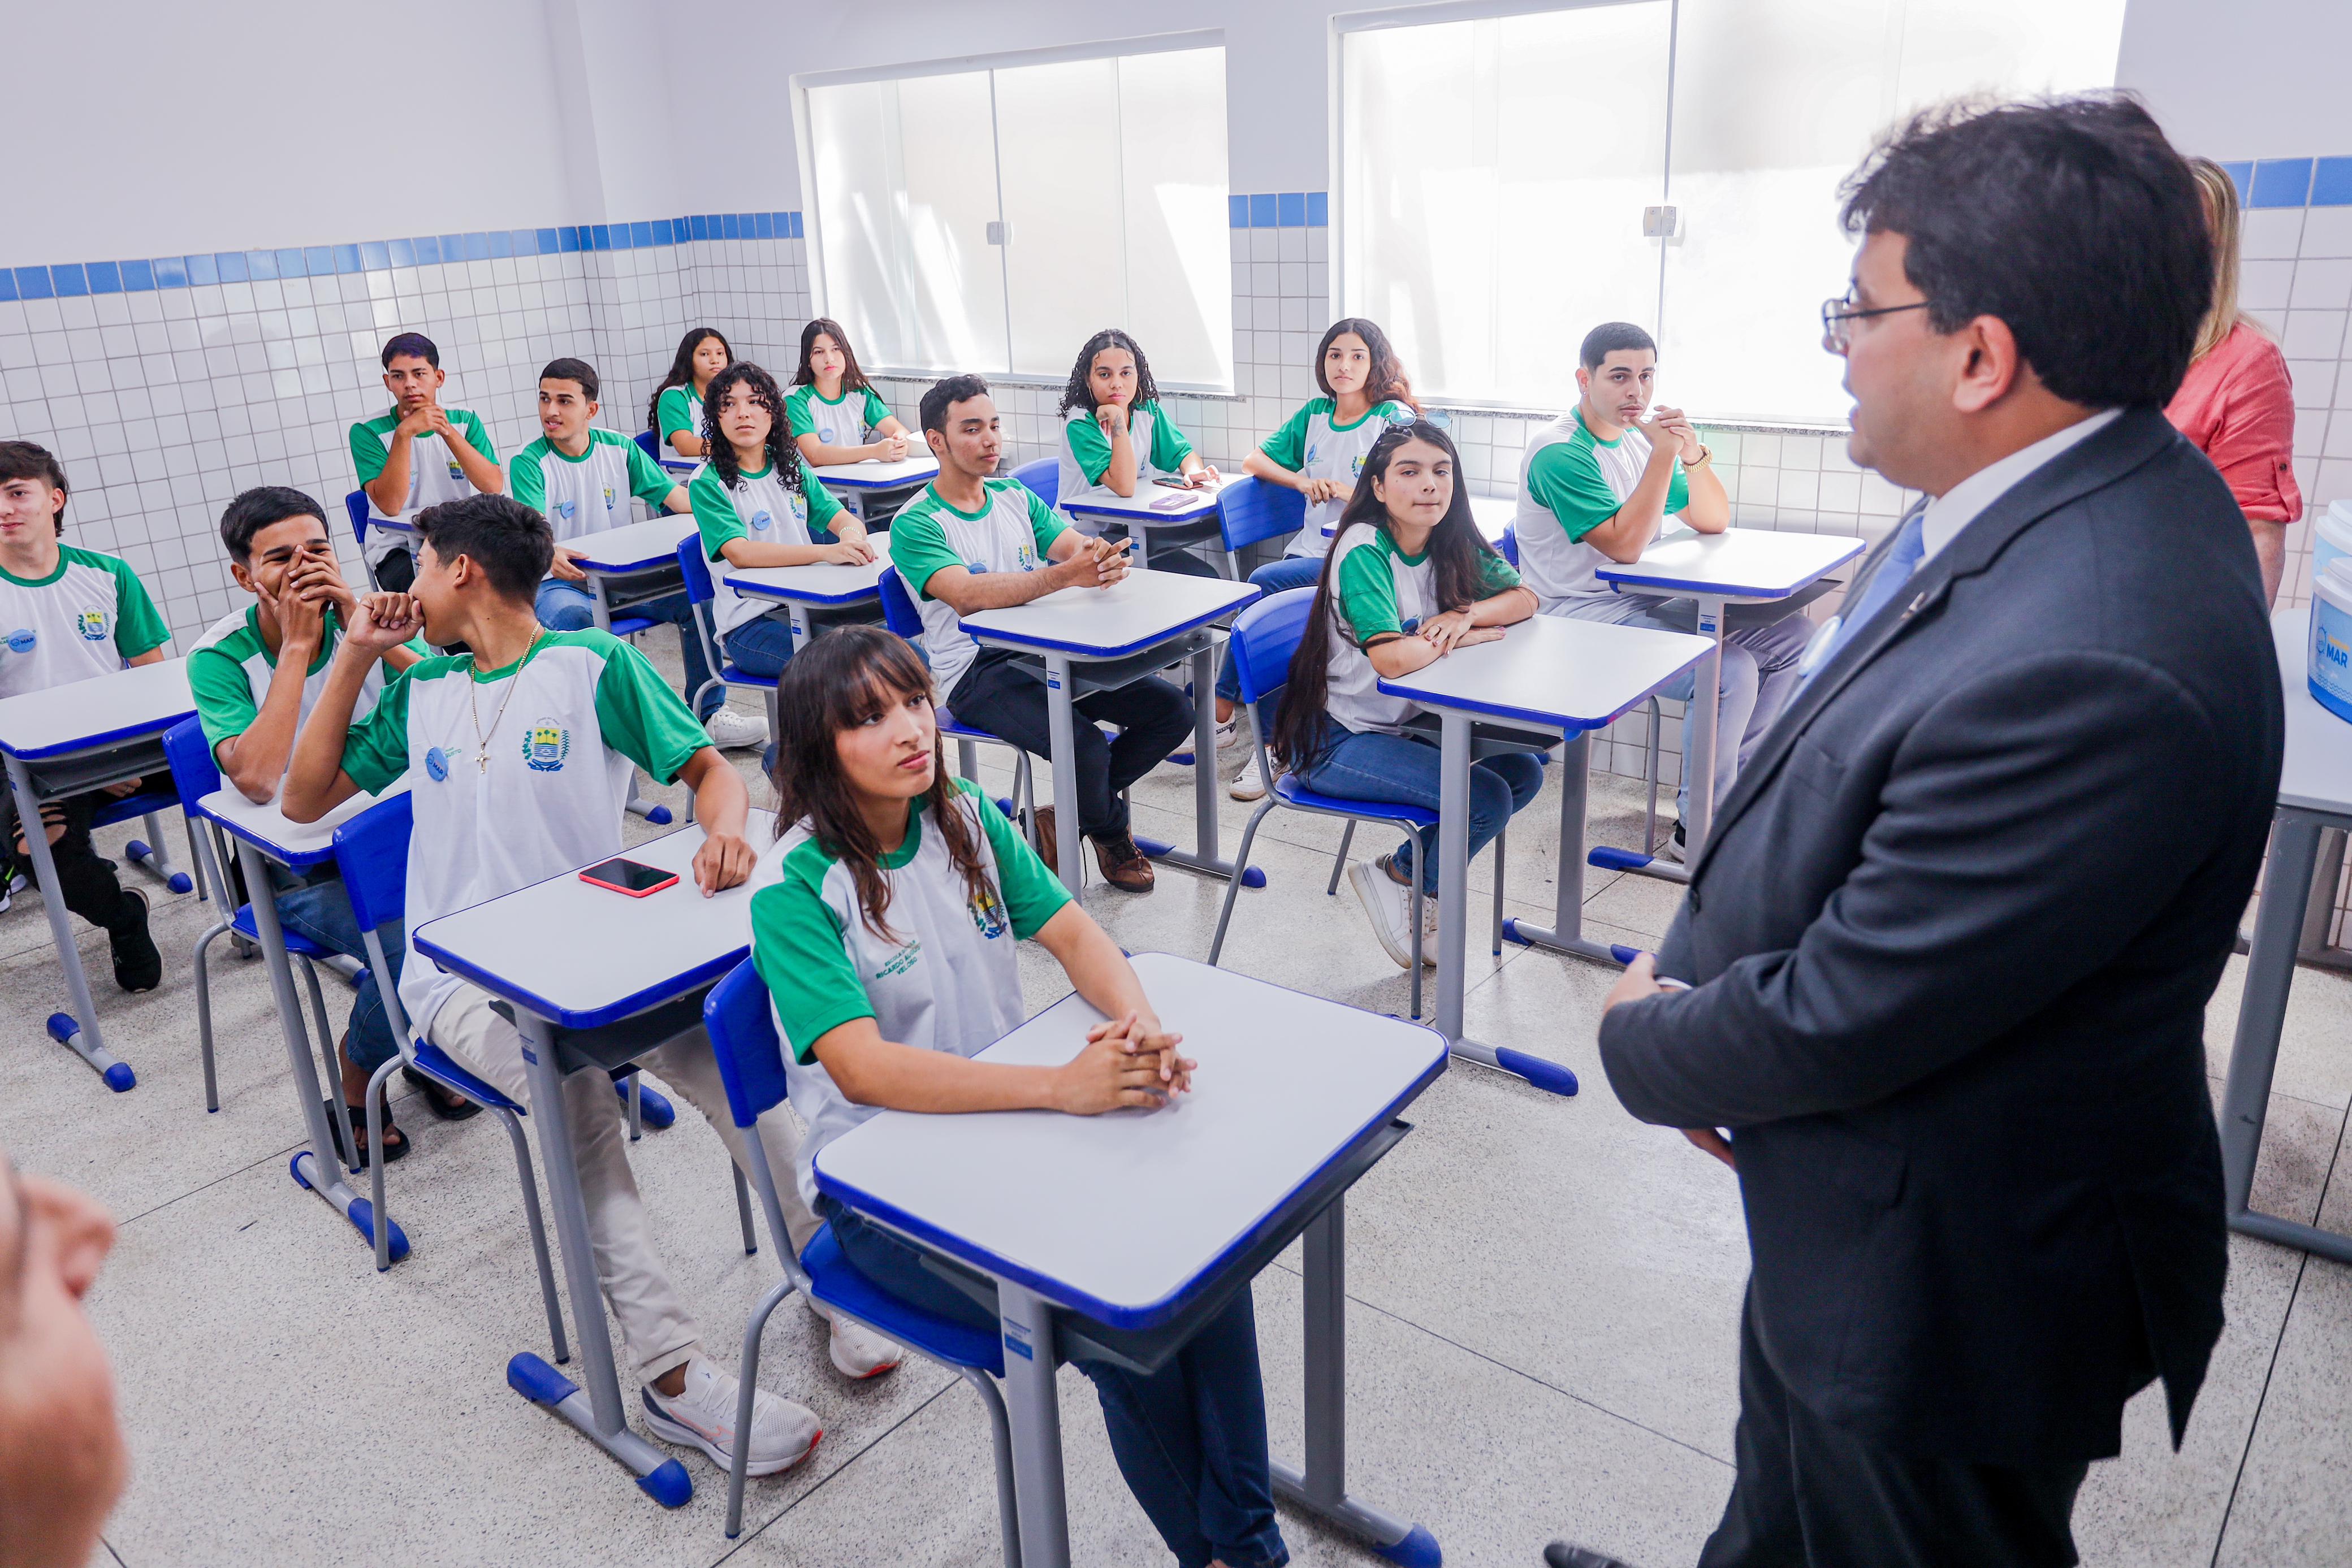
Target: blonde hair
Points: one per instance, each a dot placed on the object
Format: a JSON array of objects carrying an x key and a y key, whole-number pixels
[{"x": 2220, "y": 197}]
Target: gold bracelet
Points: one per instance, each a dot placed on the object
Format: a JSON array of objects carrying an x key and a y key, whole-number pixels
[{"x": 1706, "y": 457}]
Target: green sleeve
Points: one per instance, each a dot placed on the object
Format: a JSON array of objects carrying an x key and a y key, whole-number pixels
[
  {"x": 1288, "y": 445},
  {"x": 368, "y": 453},
  {"x": 715, "y": 517},
  {"x": 1677, "y": 491},
  {"x": 137, "y": 626},
  {"x": 375, "y": 751},
  {"x": 1089, "y": 446},
  {"x": 1367, "y": 596},
  {"x": 1496, "y": 575},
  {"x": 1032, "y": 894},
  {"x": 641, "y": 717},
  {"x": 876, "y": 411},
  {"x": 525, "y": 482},
  {"x": 797, "y": 422},
  {"x": 223, "y": 697},
  {"x": 476, "y": 436},
  {"x": 1046, "y": 524},
  {"x": 1168, "y": 447},
  {"x": 797, "y": 949},
  {"x": 1566, "y": 482},
  {"x": 824, "y": 509},
  {"x": 676, "y": 412},
  {"x": 918, "y": 547},
  {"x": 648, "y": 481}
]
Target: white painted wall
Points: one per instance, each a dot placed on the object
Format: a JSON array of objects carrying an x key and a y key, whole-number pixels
[{"x": 2253, "y": 79}]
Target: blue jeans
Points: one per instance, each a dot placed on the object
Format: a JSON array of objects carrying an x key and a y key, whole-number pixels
[
  {"x": 568, "y": 607},
  {"x": 1290, "y": 571},
  {"x": 1190, "y": 1439},
  {"x": 322, "y": 912},
  {"x": 759, "y": 647},
  {"x": 1400, "y": 770}
]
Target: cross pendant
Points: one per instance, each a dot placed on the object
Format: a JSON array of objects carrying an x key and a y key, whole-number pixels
[{"x": 482, "y": 761}]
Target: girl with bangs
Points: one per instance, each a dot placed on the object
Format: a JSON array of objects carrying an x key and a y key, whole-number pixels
[
  {"x": 676, "y": 416},
  {"x": 884, "y": 921},
  {"x": 836, "y": 414}
]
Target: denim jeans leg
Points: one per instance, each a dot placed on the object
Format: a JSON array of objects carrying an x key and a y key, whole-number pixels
[
  {"x": 1274, "y": 576},
  {"x": 674, "y": 608},
  {"x": 565, "y": 606},
  {"x": 760, "y": 647},
  {"x": 321, "y": 913}
]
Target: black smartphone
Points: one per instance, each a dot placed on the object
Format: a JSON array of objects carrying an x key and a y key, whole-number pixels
[{"x": 633, "y": 878}]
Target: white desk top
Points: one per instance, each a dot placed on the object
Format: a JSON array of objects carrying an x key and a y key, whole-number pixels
[
  {"x": 1152, "y": 504},
  {"x": 1286, "y": 1082},
  {"x": 824, "y": 583},
  {"x": 1143, "y": 608},
  {"x": 1493, "y": 513},
  {"x": 1555, "y": 673},
  {"x": 1737, "y": 563},
  {"x": 2318, "y": 775},
  {"x": 917, "y": 467},
  {"x": 83, "y": 716},
  {"x": 289, "y": 843},
  {"x": 584, "y": 957},
  {"x": 633, "y": 547}
]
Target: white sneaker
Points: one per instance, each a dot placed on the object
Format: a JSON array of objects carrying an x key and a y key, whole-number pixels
[
  {"x": 1389, "y": 905},
  {"x": 703, "y": 1417},
  {"x": 1229, "y": 732},
  {"x": 1428, "y": 928},
  {"x": 858, "y": 1351},
  {"x": 1249, "y": 784},
  {"x": 729, "y": 730}
]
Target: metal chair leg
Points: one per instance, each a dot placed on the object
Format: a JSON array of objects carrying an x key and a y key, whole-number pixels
[
  {"x": 1499, "y": 839},
  {"x": 332, "y": 1063},
  {"x": 538, "y": 1234},
  {"x": 376, "y": 1117},
  {"x": 1417, "y": 897},
  {"x": 1339, "y": 860},
  {"x": 205, "y": 1013},
  {"x": 1650, "y": 823},
  {"x": 1233, "y": 882},
  {"x": 743, "y": 1211},
  {"x": 636, "y": 1107},
  {"x": 747, "y": 1373},
  {"x": 1000, "y": 1432}
]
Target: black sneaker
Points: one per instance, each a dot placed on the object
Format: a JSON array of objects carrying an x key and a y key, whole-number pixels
[
  {"x": 137, "y": 966},
  {"x": 1673, "y": 847},
  {"x": 1561, "y": 1554}
]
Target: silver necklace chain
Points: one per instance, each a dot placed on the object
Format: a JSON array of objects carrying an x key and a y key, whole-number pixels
[{"x": 473, "y": 706}]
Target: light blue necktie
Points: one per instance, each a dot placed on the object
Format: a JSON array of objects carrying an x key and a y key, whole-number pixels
[{"x": 1901, "y": 561}]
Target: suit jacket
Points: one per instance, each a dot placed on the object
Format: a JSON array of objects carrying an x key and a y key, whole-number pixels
[{"x": 1951, "y": 941}]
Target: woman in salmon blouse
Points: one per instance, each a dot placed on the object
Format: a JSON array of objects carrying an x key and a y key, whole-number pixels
[{"x": 2237, "y": 404}]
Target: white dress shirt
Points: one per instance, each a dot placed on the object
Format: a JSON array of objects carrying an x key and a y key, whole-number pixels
[{"x": 1958, "y": 507}]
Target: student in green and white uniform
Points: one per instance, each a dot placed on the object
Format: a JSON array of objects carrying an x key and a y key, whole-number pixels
[
  {"x": 675, "y": 417},
  {"x": 836, "y": 414},
  {"x": 520, "y": 772},
  {"x": 882, "y": 1001},
  {"x": 756, "y": 504},
  {"x": 1408, "y": 581},
  {"x": 1597, "y": 485},
  {"x": 255, "y": 675},
  {"x": 67, "y": 615},
  {"x": 419, "y": 455},
  {"x": 1117, "y": 441}
]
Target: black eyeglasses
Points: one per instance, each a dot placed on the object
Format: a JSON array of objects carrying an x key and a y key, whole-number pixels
[{"x": 1837, "y": 314}]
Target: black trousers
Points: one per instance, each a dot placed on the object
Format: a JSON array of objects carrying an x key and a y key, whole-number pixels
[
  {"x": 1812, "y": 1494},
  {"x": 396, "y": 573},
  {"x": 85, "y": 879},
  {"x": 1007, "y": 699}
]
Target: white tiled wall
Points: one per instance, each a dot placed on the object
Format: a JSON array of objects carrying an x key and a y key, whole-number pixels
[{"x": 2296, "y": 279}]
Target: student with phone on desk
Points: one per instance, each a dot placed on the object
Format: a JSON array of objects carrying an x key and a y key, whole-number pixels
[
  {"x": 521, "y": 773},
  {"x": 1115, "y": 437}
]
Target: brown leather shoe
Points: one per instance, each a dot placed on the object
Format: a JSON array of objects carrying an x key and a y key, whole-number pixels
[
  {"x": 1123, "y": 865},
  {"x": 1049, "y": 848}
]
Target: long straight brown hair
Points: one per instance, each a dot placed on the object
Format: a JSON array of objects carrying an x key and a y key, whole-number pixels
[{"x": 835, "y": 683}]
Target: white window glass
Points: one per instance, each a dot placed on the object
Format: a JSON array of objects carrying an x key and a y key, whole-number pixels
[
  {"x": 1180, "y": 295},
  {"x": 1492, "y": 181}
]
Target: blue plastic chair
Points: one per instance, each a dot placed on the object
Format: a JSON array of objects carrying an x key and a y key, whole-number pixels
[
  {"x": 695, "y": 566},
  {"x": 1508, "y": 547},
  {"x": 900, "y": 614},
  {"x": 751, "y": 1065},
  {"x": 1250, "y": 510},
  {"x": 650, "y": 443},
  {"x": 356, "y": 505},
  {"x": 1043, "y": 478},
  {"x": 197, "y": 775}
]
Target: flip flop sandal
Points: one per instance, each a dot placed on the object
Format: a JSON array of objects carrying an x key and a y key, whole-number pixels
[
  {"x": 396, "y": 1142},
  {"x": 439, "y": 1100}
]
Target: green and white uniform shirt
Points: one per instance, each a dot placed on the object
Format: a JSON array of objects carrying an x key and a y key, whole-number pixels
[
  {"x": 434, "y": 474},
  {"x": 761, "y": 508},
  {"x": 1012, "y": 532},
  {"x": 1571, "y": 482},
  {"x": 1378, "y": 589},
  {"x": 86, "y": 618},
  {"x": 590, "y": 493},
  {"x": 1313, "y": 444},
  {"x": 230, "y": 669},
  {"x": 1159, "y": 447},
  {"x": 851, "y": 421},
  {"x": 517, "y": 774},
  {"x": 948, "y": 978},
  {"x": 678, "y": 408}
]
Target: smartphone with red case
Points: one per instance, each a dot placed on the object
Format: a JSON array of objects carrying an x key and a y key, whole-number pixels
[{"x": 633, "y": 878}]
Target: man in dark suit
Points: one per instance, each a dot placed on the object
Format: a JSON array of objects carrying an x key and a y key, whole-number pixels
[{"x": 1942, "y": 968}]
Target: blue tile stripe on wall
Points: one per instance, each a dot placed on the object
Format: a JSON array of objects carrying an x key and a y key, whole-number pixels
[
  {"x": 2293, "y": 181},
  {"x": 1280, "y": 210},
  {"x": 65, "y": 280}
]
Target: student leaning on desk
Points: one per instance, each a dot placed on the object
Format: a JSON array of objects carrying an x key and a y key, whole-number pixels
[
  {"x": 519, "y": 773},
  {"x": 676, "y": 415}
]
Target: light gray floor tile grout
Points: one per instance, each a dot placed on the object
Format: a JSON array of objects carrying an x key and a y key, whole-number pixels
[{"x": 834, "y": 1474}]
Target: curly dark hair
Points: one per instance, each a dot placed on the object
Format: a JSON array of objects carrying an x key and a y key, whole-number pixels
[
  {"x": 784, "y": 457},
  {"x": 1078, "y": 394},
  {"x": 681, "y": 370}
]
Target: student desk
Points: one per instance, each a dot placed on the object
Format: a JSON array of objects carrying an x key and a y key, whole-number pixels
[
  {"x": 67, "y": 740},
  {"x": 1548, "y": 672},
  {"x": 864, "y": 486},
  {"x": 806, "y": 590},
  {"x": 2314, "y": 793},
  {"x": 1152, "y": 506},
  {"x": 1737, "y": 566},
  {"x": 633, "y": 562},
  {"x": 1493, "y": 513},
  {"x": 265, "y": 837},
  {"x": 1294, "y": 1099},
  {"x": 595, "y": 980},
  {"x": 1117, "y": 635}
]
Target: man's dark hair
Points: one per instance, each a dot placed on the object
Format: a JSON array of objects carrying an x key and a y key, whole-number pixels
[
  {"x": 415, "y": 346},
  {"x": 2071, "y": 219},
  {"x": 1608, "y": 338},
  {"x": 23, "y": 460},
  {"x": 570, "y": 370},
  {"x": 510, "y": 541},
  {"x": 256, "y": 509},
  {"x": 944, "y": 395}
]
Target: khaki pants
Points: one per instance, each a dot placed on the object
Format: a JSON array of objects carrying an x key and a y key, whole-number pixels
[{"x": 656, "y": 1331}]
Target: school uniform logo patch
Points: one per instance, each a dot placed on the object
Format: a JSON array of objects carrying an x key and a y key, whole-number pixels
[
  {"x": 437, "y": 765},
  {"x": 455, "y": 471},
  {"x": 1355, "y": 468},
  {"x": 545, "y": 745},
  {"x": 1310, "y": 457},
  {"x": 92, "y": 625},
  {"x": 608, "y": 498},
  {"x": 987, "y": 912},
  {"x": 21, "y": 640}
]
